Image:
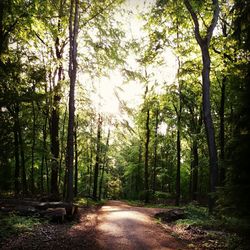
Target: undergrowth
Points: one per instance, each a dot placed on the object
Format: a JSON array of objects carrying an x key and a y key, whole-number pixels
[
  {"x": 199, "y": 216},
  {"x": 140, "y": 203},
  {"x": 233, "y": 230},
  {"x": 12, "y": 224},
  {"x": 82, "y": 201}
]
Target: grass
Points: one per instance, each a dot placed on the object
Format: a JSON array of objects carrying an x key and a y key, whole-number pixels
[
  {"x": 198, "y": 216},
  {"x": 82, "y": 201},
  {"x": 234, "y": 239},
  {"x": 139, "y": 203},
  {"x": 12, "y": 224}
]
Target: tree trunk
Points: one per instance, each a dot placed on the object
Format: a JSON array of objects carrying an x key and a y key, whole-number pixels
[
  {"x": 222, "y": 131},
  {"x": 195, "y": 163},
  {"x": 178, "y": 146},
  {"x": 90, "y": 159},
  {"x": 138, "y": 169},
  {"x": 44, "y": 153},
  {"x": 104, "y": 166},
  {"x": 155, "y": 149},
  {"x": 90, "y": 170},
  {"x": 213, "y": 161},
  {"x": 178, "y": 169},
  {"x": 76, "y": 161},
  {"x": 54, "y": 149},
  {"x": 33, "y": 146},
  {"x": 62, "y": 152},
  {"x": 17, "y": 165},
  {"x": 41, "y": 175},
  {"x": 97, "y": 162},
  {"x": 55, "y": 144},
  {"x": 65, "y": 183},
  {"x": 73, "y": 32},
  {"x": 204, "y": 43},
  {"x": 146, "y": 182},
  {"x": 20, "y": 138}
]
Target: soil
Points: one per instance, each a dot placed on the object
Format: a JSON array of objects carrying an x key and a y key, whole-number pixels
[
  {"x": 121, "y": 226},
  {"x": 116, "y": 225}
]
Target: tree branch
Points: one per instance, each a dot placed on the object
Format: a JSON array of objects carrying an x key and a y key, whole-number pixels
[
  {"x": 214, "y": 20},
  {"x": 195, "y": 20},
  {"x": 99, "y": 12},
  {"x": 224, "y": 54}
]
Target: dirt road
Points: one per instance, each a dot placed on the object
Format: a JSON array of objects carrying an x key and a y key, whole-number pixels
[
  {"x": 115, "y": 226},
  {"x": 121, "y": 226}
]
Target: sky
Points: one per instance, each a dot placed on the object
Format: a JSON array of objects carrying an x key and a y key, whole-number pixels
[{"x": 104, "y": 90}]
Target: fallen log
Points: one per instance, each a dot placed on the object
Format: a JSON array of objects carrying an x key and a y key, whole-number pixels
[
  {"x": 31, "y": 208},
  {"x": 71, "y": 209},
  {"x": 25, "y": 210},
  {"x": 55, "y": 214},
  {"x": 171, "y": 215}
]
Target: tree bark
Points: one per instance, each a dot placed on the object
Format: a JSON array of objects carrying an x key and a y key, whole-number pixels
[
  {"x": 213, "y": 161},
  {"x": 222, "y": 131},
  {"x": 155, "y": 149},
  {"x": 195, "y": 172},
  {"x": 55, "y": 144},
  {"x": 17, "y": 164},
  {"x": 138, "y": 169},
  {"x": 44, "y": 153},
  {"x": 33, "y": 146},
  {"x": 204, "y": 43},
  {"x": 76, "y": 161},
  {"x": 54, "y": 147},
  {"x": 146, "y": 184},
  {"x": 90, "y": 159},
  {"x": 20, "y": 138},
  {"x": 62, "y": 152},
  {"x": 104, "y": 166},
  {"x": 73, "y": 33},
  {"x": 97, "y": 161},
  {"x": 178, "y": 147},
  {"x": 178, "y": 169}
]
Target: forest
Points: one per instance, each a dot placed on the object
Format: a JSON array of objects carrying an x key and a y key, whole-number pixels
[{"x": 143, "y": 101}]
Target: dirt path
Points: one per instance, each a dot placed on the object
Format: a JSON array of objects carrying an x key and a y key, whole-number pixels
[
  {"x": 115, "y": 226},
  {"x": 121, "y": 226}
]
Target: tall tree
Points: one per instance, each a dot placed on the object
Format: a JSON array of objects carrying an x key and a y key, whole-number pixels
[
  {"x": 73, "y": 33},
  {"x": 104, "y": 164},
  {"x": 147, "y": 138},
  {"x": 59, "y": 44},
  {"x": 76, "y": 158},
  {"x": 97, "y": 160},
  {"x": 204, "y": 43},
  {"x": 155, "y": 147}
]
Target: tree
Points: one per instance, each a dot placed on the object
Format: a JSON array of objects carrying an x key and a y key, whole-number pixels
[
  {"x": 97, "y": 160},
  {"x": 204, "y": 43},
  {"x": 73, "y": 33}
]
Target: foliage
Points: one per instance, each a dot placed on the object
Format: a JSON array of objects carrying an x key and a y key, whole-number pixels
[
  {"x": 198, "y": 216},
  {"x": 12, "y": 224},
  {"x": 80, "y": 201},
  {"x": 34, "y": 103}
]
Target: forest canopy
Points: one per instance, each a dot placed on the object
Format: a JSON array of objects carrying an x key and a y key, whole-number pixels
[{"x": 142, "y": 100}]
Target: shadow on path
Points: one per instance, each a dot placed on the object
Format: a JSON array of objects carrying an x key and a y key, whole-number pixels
[{"x": 121, "y": 226}]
